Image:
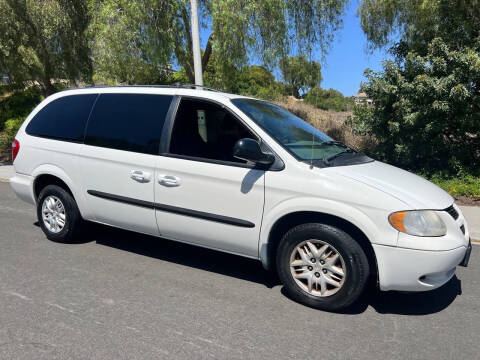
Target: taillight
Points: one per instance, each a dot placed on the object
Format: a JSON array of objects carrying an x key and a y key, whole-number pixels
[{"x": 15, "y": 149}]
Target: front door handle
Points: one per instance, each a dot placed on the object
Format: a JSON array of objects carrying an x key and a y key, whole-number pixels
[
  {"x": 140, "y": 176},
  {"x": 169, "y": 180}
]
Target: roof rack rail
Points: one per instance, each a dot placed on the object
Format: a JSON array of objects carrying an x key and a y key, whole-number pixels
[
  {"x": 175, "y": 85},
  {"x": 194, "y": 86}
]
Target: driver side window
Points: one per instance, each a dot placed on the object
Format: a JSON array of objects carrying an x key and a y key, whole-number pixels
[{"x": 205, "y": 130}]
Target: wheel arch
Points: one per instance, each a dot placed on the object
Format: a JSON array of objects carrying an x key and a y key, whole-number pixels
[
  {"x": 49, "y": 174},
  {"x": 43, "y": 180},
  {"x": 287, "y": 221}
]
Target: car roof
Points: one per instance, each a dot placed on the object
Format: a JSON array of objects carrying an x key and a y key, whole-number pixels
[{"x": 144, "y": 89}]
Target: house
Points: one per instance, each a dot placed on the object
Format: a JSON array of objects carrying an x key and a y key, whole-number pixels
[{"x": 361, "y": 98}]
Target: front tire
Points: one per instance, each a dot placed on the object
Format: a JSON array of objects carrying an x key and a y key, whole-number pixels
[
  {"x": 58, "y": 214},
  {"x": 322, "y": 266}
]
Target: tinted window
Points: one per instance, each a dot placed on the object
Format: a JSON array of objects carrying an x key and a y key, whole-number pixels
[
  {"x": 63, "y": 119},
  {"x": 206, "y": 130},
  {"x": 130, "y": 122}
]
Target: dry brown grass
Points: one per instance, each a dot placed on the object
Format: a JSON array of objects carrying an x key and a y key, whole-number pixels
[{"x": 331, "y": 123}]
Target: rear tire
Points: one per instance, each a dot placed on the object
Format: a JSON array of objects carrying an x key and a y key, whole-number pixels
[
  {"x": 322, "y": 266},
  {"x": 58, "y": 214}
]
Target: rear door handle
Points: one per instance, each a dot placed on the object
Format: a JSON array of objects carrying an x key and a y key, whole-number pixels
[
  {"x": 140, "y": 176},
  {"x": 169, "y": 180}
]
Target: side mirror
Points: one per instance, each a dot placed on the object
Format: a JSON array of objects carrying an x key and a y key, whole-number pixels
[{"x": 249, "y": 149}]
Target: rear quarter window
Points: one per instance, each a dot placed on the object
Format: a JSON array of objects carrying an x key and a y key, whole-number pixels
[
  {"x": 130, "y": 122},
  {"x": 63, "y": 119}
]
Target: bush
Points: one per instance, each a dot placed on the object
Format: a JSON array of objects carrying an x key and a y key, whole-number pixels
[
  {"x": 426, "y": 113},
  {"x": 3, "y": 89},
  {"x": 13, "y": 111},
  {"x": 464, "y": 185},
  {"x": 328, "y": 99},
  {"x": 19, "y": 104},
  {"x": 9, "y": 132}
]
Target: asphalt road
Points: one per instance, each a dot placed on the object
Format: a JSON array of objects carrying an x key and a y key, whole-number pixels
[{"x": 119, "y": 295}]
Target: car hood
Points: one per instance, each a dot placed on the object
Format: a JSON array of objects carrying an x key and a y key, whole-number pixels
[{"x": 409, "y": 188}]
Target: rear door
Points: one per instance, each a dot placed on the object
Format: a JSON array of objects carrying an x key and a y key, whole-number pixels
[
  {"x": 204, "y": 195},
  {"x": 119, "y": 156}
]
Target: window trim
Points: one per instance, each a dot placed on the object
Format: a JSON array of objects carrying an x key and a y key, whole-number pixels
[
  {"x": 89, "y": 116},
  {"x": 212, "y": 161},
  {"x": 56, "y": 138},
  {"x": 168, "y": 129},
  {"x": 168, "y": 125}
]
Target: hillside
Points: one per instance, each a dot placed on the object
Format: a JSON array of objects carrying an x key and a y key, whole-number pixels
[{"x": 330, "y": 122}]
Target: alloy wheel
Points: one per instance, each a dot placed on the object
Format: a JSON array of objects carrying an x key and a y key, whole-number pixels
[
  {"x": 53, "y": 214},
  {"x": 317, "y": 268}
]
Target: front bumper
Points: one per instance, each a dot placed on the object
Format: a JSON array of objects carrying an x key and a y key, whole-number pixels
[
  {"x": 424, "y": 263},
  {"x": 416, "y": 270},
  {"x": 466, "y": 259}
]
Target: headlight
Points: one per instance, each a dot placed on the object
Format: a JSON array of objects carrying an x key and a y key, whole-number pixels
[{"x": 418, "y": 223}]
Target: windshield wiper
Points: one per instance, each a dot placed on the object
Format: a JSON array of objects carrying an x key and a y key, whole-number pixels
[
  {"x": 328, "y": 160},
  {"x": 331, "y": 142},
  {"x": 334, "y": 142}
]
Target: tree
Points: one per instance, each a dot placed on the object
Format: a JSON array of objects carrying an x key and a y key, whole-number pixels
[
  {"x": 126, "y": 49},
  {"x": 426, "y": 113},
  {"x": 253, "y": 80},
  {"x": 157, "y": 32},
  {"x": 259, "y": 82},
  {"x": 328, "y": 99},
  {"x": 411, "y": 24},
  {"x": 44, "y": 41},
  {"x": 300, "y": 74}
]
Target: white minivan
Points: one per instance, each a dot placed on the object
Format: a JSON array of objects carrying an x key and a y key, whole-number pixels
[{"x": 238, "y": 175}]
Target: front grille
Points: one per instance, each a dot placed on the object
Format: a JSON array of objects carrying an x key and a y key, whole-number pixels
[
  {"x": 463, "y": 229},
  {"x": 453, "y": 213}
]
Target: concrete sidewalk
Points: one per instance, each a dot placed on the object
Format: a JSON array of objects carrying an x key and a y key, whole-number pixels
[
  {"x": 6, "y": 172},
  {"x": 471, "y": 213}
]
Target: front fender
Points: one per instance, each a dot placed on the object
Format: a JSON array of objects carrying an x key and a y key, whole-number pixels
[{"x": 378, "y": 232}]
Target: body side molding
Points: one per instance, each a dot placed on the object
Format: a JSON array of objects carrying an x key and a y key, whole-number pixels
[{"x": 173, "y": 209}]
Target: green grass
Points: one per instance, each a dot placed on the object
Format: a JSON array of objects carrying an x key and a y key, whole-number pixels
[{"x": 466, "y": 185}]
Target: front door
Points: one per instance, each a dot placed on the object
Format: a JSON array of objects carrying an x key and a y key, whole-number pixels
[
  {"x": 118, "y": 159},
  {"x": 204, "y": 195}
]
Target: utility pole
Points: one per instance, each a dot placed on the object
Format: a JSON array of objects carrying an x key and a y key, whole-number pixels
[{"x": 197, "y": 58}]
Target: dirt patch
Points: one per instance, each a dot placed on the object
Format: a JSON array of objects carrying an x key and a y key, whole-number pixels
[{"x": 467, "y": 201}]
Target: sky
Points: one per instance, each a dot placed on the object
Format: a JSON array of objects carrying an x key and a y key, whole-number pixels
[
  {"x": 347, "y": 59},
  {"x": 343, "y": 66}
]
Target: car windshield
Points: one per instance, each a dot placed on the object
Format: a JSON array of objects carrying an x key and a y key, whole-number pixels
[{"x": 301, "y": 139}]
